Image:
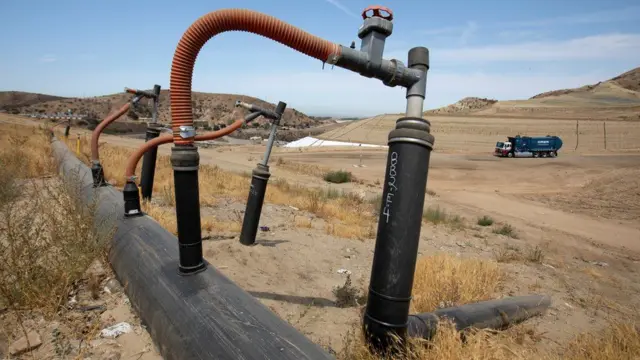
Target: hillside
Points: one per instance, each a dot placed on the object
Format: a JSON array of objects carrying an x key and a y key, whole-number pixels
[
  {"x": 10, "y": 100},
  {"x": 466, "y": 105},
  {"x": 479, "y": 122},
  {"x": 208, "y": 108},
  {"x": 629, "y": 80},
  {"x": 615, "y": 99}
]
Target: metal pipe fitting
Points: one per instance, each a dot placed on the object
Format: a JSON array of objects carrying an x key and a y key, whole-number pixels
[
  {"x": 274, "y": 128},
  {"x": 156, "y": 102}
]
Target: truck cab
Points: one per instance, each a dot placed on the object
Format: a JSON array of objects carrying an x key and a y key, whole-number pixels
[{"x": 503, "y": 148}]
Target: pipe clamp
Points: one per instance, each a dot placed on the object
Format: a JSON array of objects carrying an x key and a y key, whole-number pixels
[{"x": 187, "y": 132}]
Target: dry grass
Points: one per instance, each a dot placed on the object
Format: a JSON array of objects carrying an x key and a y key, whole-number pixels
[
  {"x": 47, "y": 234},
  {"x": 444, "y": 280},
  {"x": 354, "y": 215},
  {"x": 313, "y": 170},
  {"x": 166, "y": 217},
  {"x": 437, "y": 215},
  {"x": 617, "y": 341}
]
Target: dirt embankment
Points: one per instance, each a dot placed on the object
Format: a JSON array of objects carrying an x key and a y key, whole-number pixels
[{"x": 466, "y": 105}]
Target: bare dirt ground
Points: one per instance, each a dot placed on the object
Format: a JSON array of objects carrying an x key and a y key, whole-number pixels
[
  {"x": 576, "y": 234},
  {"x": 478, "y": 134}
]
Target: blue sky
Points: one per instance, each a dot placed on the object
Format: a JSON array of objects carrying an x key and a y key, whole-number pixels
[{"x": 491, "y": 48}]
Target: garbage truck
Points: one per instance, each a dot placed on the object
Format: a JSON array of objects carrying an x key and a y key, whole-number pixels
[{"x": 526, "y": 146}]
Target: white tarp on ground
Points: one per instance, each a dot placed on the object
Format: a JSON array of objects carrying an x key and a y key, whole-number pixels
[{"x": 311, "y": 141}]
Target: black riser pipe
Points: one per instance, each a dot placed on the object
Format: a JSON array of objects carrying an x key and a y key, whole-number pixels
[
  {"x": 185, "y": 161},
  {"x": 97, "y": 172},
  {"x": 398, "y": 235},
  {"x": 131, "y": 196},
  {"x": 67, "y": 129},
  {"x": 259, "y": 180},
  {"x": 149, "y": 165}
]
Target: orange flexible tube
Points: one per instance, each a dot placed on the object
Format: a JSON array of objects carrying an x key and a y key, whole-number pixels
[
  {"x": 220, "y": 21},
  {"x": 137, "y": 155},
  {"x": 193, "y": 40},
  {"x": 95, "y": 135}
]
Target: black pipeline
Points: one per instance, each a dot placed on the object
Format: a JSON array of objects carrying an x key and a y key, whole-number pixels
[
  {"x": 260, "y": 177},
  {"x": 399, "y": 224},
  {"x": 149, "y": 159}
]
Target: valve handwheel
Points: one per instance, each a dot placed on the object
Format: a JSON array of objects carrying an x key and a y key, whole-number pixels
[{"x": 376, "y": 11}]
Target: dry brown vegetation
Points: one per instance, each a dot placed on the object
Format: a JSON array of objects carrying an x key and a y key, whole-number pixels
[
  {"x": 444, "y": 280},
  {"x": 47, "y": 236},
  {"x": 348, "y": 215},
  {"x": 441, "y": 280}
]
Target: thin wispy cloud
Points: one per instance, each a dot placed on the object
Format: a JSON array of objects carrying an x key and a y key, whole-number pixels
[
  {"x": 600, "y": 47},
  {"x": 605, "y": 16},
  {"x": 48, "y": 58},
  {"x": 537, "y": 28},
  {"x": 342, "y": 8},
  {"x": 462, "y": 34}
]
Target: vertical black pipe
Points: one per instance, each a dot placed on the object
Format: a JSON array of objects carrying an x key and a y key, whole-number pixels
[
  {"x": 131, "y": 197},
  {"x": 396, "y": 250},
  {"x": 185, "y": 161},
  {"x": 259, "y": 179},
  {"x": 98, "y": 174},
  {"x": 67, "y": 129},
  {"x": 149, "y": 163}
]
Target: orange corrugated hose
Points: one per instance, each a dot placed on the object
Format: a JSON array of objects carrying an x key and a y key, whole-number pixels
[
  {"x": 95, "y": 135},
  {"x": 137, "y": 155},
  {"x": 194, "y": 39}
]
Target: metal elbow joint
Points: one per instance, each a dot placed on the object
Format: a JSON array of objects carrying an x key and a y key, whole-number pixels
[{"x": 368, "y": 61}]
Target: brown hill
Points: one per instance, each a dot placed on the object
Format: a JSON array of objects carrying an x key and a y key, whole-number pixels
[
  {"x": 208, "y": 108},
  {"x": 466, "y": 105},
  {"x": 614, "y": 99},
  {"x": 10, "y": 100},
  {"x": 629, "y": 80}
]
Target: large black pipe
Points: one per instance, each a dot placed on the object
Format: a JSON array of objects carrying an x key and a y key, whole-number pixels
[
  {"x": 196, "y": 317},
  {"x": 259, "y": 179},
  {"x": 185, "y": 161},
  {"x": 149, "y": 163},
  {"x": 495, "y": 314},
  {"x": 257, "y": 190},
  {"x": 396, "y": 250}
]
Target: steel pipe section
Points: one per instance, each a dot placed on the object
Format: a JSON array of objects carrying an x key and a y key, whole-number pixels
[{"x": 195, "y": 317}]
